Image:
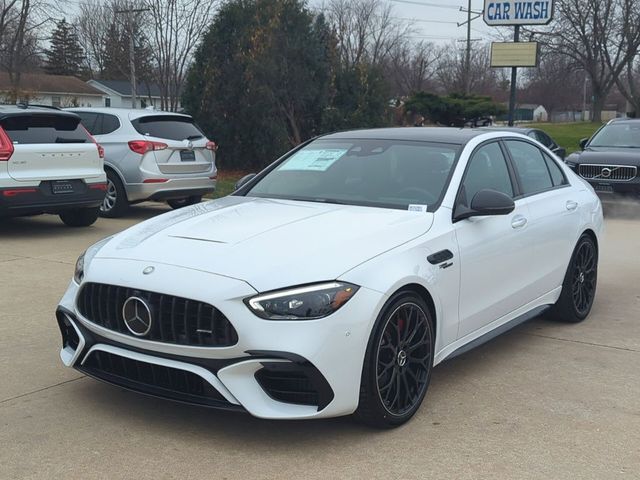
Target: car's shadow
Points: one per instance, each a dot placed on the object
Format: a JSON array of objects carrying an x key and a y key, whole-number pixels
[
  {"x": 50, "y": 226},
  {"x": 172, "y": 419},
  {"x": 621, "y": 208}
]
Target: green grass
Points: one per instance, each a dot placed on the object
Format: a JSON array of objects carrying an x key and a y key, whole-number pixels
[
  {"x": 567, "y": 135},
  {"x": 225, "y": 184}
]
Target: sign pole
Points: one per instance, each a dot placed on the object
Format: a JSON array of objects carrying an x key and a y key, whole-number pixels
[{"x": 514, "y": 78}]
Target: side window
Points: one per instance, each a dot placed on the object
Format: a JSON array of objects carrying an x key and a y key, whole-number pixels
[
  {"x": 543, "y": 138},
  {"x": 110, "y": 123},
  {"x": 88, "y": 121},
  {"x": 531, "y": 168},
  {"x": 557, "y": 176},
  {"x": 487, "y": 170}
]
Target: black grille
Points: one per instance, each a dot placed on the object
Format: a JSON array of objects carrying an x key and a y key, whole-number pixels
[
  {"x": 152, "y": 379},
  {"x": 175, "y": 319},
  {"x": 608, "y": 172},
  {"x": 288, "y": 387}
]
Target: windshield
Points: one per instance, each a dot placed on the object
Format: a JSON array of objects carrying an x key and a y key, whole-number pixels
[
  {"x": 380, "y": 173},
  {"x": 617, "y": 135}
]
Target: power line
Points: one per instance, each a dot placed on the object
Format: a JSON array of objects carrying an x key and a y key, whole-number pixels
[{"x": 428, "y": 4}]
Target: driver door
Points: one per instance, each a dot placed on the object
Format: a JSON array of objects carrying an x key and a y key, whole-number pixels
[{"x": 494, "y": 250}]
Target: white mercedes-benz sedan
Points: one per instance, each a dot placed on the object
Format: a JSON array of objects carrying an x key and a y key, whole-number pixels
[{"x": 332, "y": 282}]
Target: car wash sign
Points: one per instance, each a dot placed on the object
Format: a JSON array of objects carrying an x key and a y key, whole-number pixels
[{"x": 518, "y": 12}]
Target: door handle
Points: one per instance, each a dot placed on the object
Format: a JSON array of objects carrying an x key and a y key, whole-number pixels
[
  {"x": 518, "y": 222},
  {"x": 571, "y": 205}
]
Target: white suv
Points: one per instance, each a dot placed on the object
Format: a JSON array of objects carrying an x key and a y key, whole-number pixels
[
  {"x": 49, "y": 164},
  {"x": 151, "y": 155}
]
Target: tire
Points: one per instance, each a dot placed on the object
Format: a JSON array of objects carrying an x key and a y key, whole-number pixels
[
  {"x": 80, "y": 217},
  {"x": 397, "y": 368},
  {"x": 115, "y": 203},
  {"x": 579, "y": 285},
  {"x": 184, "y": 202}
]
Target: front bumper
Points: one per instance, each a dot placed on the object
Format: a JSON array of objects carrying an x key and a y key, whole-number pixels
[
  {"x": 172, "y": 188},
  {"x": 15, "y": 201},
  {"x": 276, "y": 370}
]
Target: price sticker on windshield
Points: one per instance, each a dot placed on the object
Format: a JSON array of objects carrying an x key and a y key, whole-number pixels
[
  {"x": 418, "y": 208},
  {"x": 313, "y": 160}
]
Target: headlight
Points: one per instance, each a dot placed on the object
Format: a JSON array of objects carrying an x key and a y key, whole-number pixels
[
  {"x": 84, "y": 259},
  {"x": 302, "y": 303},
  {"x": 78, "y": 274}
]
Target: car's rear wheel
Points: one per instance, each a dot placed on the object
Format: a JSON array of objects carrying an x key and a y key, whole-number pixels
[
  {"x": 579, "y": 285},
  {"x": 184, "y": 202},
  {"x": 398, "y": 363},
  {"x": 115, "y": 203},
  {"x": 79, "y": 217}
]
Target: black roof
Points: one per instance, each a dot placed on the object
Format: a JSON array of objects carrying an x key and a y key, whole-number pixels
[
  {"x": 123, "y": 87},
  {"x": 625, "y": 120},
  {"x": 523, "y": 130},
  {"x": 20, "y": 110},
  {"x": 457, "y": 136}
]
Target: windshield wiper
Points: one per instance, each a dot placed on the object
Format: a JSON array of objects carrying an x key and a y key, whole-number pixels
[{"x": 194, "y": 137}]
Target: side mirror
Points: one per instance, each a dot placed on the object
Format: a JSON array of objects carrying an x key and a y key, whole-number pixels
[
  {"x": 561, "y": 152},
  {"x": 243, "y": 181},
  {"x": 583, "y": 143},
  {"x": 486, "y": 202}
]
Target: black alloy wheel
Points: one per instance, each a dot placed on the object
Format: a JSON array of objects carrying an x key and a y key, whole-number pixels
[
  {"x": 583, "y": 285},
  {"x": 398, "y": 362},
  {"x": 404, "y": 359},
  {"x": 579, "y": 285}
]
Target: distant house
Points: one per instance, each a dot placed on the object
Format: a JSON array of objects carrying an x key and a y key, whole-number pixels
[
  {"x": 53, "y": 90},
  {"x": 118, "y": 93}
]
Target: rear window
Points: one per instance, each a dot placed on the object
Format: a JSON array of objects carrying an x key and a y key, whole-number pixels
[
  {"x": 29, "y": 129},
  {"x": 171, "y": 127}
]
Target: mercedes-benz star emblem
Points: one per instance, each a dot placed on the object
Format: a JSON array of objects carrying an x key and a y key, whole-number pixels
[
  {"x": 137, "y": 316},
  {"x": 148, "y": 270}
]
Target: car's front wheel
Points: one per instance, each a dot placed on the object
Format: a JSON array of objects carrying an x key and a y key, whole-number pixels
[
  {"x": 79, "y": 217},
  {"x": 184, "y": 202},
  {"x": 398, "y": 362},
  {"x": 579, "y": 285}
]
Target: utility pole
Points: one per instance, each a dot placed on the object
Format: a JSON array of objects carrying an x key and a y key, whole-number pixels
[
  {"x": 514, "y": 81},
  {"x": 132, "y": 50},
  {"x": 467, "y": 62}
]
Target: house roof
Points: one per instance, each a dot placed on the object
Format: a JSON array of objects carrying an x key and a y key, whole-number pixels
[
  {"x": 43, "y": 83},
  {"x": 123, "y": 87}
]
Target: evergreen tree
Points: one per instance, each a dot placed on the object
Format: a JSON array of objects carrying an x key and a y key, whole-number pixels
[
  {"x": 65, "y": 56},
  {"x": 116, "y": 55}
]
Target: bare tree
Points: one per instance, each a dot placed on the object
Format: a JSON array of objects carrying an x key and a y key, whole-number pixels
[
  {"x": 21, "y": 22},
  {"x": 366, "y": 30},
  {"x": 483, "y": 80},
  {"x": 602, "y": 36},
  {"x": 411, "y": 67},
  {"x": 176, "y": 29},
  {"x": 92, "y": 25},
  {"x": 628, "y": 82}
]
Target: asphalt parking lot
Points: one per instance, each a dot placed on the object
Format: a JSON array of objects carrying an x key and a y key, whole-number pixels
[{"x": 542, "y": 401}]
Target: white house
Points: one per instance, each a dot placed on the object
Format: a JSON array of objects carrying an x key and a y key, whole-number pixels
[
  {"x": 53, "y": 90},
  {"x": 118, "y": 93}
]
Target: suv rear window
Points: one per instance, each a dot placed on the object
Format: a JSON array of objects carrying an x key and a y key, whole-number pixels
[
  {"x": 26, "y": 129},
  {"x": 171, "y": 127}
]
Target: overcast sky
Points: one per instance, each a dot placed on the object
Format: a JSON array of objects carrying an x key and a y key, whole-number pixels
[{"x": 433, "y": 20}]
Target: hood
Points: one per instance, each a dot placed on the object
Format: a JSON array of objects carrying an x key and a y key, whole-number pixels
[
  {"x": 607, "y": 156},
  {"x": 268, "y": 243}
]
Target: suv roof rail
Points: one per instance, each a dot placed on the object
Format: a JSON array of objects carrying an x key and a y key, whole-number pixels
[{"x": 26, "y": 105}]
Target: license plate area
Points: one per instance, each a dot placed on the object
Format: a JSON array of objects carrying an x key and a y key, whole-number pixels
[
  {"x": 187, "y": 155},
  {"x": 603, "y": 188},
  {"x": 62, "y": 187}
]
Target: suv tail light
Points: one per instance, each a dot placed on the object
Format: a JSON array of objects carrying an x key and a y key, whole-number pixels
[
  {"x": 6, "y": 146},
  {"x": 211, "y": 146},
  {"x": 144, "y": 146},
  {"x": 100, "y": 147}
]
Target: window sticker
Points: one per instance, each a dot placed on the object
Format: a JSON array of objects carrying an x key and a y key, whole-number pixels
[
  {"x": 313, "y": 160},
  {"x": 418, "y": 208}
]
